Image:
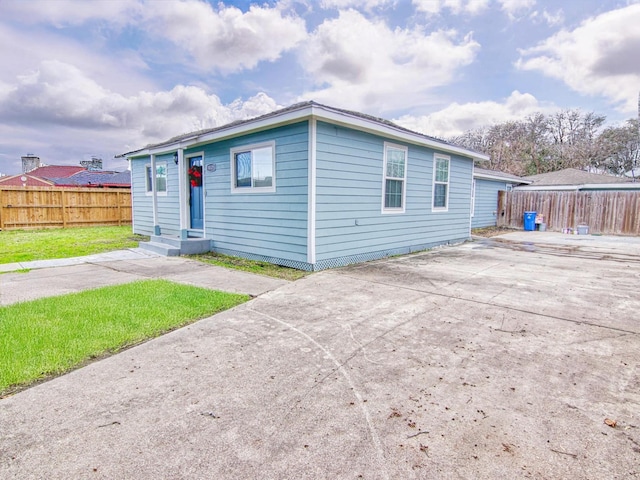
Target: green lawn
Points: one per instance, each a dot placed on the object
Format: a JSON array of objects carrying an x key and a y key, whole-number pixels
[
  {"x": 253, "y": 266},
  {"x": 27, "y": 245},
  {"x": 46, "y": 337}
]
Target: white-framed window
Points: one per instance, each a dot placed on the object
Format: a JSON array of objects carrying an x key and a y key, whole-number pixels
[
  {"x": 394, "y": 182},
  {"x": 161, "y": 178},
  {"x": 441, "y": 165},
  {"x": 253, "y": 168}
]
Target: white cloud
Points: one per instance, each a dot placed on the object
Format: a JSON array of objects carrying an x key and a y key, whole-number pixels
[
  {"x": 544, "y": 16},
  {"x": 433, "y": 7},
  {"x": 514, "y": 7},
  {"x": 553, "y": 19},
  {"x": 60, "y": 98},
  {"x": 364, "y": 65},
  {"x": 457, "y": 118},
  {"x": 364, "y": 4},
  {"x": 70, "y": 12},
  {"x": 598, "y": 58},
  {"x": 226, "y": 39},
  {"x": 120, "y": 70}
]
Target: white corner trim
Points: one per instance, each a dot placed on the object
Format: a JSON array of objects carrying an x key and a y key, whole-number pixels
[{"x": 311, "y": 210}]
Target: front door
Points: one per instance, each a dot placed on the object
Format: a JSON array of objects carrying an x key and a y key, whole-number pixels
[{"x": 195, "y": 193}]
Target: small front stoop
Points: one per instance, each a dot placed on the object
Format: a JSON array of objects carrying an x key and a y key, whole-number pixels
[{"x": 174, "y": 246}]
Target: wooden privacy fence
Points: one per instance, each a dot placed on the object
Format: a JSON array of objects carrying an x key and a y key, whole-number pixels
[
  {"x": 605, "y": 212},
  {"x": 47, "y": 207}
]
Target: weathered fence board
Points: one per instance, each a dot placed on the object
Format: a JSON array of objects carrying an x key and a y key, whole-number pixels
[
  {"x": 51, "y": 207},
  {"x": 605, "y": 212}
]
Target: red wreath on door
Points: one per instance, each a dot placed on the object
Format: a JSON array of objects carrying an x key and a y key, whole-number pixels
[{"x": 195, "y": 176}]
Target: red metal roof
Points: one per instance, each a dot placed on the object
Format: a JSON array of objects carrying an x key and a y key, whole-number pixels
[{"x": 56, "y": 171}]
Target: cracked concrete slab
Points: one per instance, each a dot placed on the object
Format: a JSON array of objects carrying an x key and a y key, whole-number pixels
[{"x": 477, "y": 361}]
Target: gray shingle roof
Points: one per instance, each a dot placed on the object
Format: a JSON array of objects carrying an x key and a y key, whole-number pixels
[
  {"x": 496, "y": 173},
  {"x": 292, "y": 108},
  {"x": 573, "y": 176}
]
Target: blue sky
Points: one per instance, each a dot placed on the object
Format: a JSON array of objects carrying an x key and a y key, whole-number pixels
[{"x": 83, "y": 78}]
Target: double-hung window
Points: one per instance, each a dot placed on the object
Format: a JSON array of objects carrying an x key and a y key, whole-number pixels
[
  {"x": 441, "y": 182},
  {"x": 161, "y": 177},
  {"x": 395, "y": 178},
  {"x": 253, "y": 168}
]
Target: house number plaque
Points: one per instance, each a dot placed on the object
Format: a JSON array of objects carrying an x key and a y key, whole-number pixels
[{"x": 211, "y": 167}]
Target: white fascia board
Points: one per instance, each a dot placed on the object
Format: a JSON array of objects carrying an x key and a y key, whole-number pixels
[
  {"x": 547, "y": 187},
  {"x": 501, "y": 179},
  {"x": 588, "y": 186},
  {"x": 388, "y": 131},
  {"x": 610, "y": 186},
  {"x": 319, "y": 112},
  {"x": 231, "y": 131}
]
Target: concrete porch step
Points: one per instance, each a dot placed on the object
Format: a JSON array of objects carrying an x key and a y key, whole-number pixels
[
  {"x": 172, "y": 246},
  {"x": 160, "y": 248}
]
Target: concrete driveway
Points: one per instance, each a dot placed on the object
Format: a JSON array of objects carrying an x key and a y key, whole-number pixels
[{"x": 501, "y": 358}]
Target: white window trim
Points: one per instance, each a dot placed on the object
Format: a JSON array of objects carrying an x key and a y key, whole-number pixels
[
  {"x": 386, "y": 210},
  {"x": 448, "y": 183},
  {"x": 251, "y": 190},
  {"x": 146, "y": 178}
]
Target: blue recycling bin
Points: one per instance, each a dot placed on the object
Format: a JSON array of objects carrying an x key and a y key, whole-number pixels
[{"x": 530, "y": 221}]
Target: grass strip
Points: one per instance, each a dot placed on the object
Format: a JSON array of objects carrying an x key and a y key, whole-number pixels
[
  {"x": 29, "y": 245},
  {"x": 253, "y": 266},
  {"x": 49, "y": 336}
]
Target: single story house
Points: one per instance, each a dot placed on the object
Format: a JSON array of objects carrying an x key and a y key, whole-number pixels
[
  {"x": 24, "y": 180},
  {"x": 573, "y": 179},
  {"x": 95, "y": 179},
  {"x": 67, "y": 176},
  {"x": 484, "y": 200},
  {"x": 308, "y": 186}
]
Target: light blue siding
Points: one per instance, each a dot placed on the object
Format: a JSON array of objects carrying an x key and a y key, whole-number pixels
[
  {"x": 142, "y": 206},
  {"x": 349, "y": 199},
  {"x": 486, "y": 202},
  {"x": 168, "y": 205},
  {"x": 259, "y": 225}
]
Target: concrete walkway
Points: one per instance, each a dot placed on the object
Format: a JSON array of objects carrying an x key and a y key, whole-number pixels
[
  {"x": 494, "y": 359},
  {"x": 47, "y": 278}
]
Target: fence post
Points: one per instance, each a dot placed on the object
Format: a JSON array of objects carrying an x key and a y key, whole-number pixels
[
  {"x": 118, "y": 204},
  {"x": 64, "y": 210},
  {"x": 1, "y": 209},
  {"x": 500, "y": 213}
]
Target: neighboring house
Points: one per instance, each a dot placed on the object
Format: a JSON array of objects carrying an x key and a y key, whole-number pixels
[
  {"x": 69, "y": 176},
  {"x": 484, "y": 201},
  {"x": 95, "y": 179},
  {"x": 24, "y": 180},
  {"x": 309, "y": 186},
  {"x": 56, "y": 171},
  {"x": 573, "y": 179}
]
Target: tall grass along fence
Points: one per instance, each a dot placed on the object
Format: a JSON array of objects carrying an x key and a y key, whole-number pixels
[
  {"x": 605, "y": 212},
  {"x": 51, "y": 207}
]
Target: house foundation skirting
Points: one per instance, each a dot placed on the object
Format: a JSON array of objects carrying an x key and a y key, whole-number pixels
[{"x": 339, "y": 261}]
